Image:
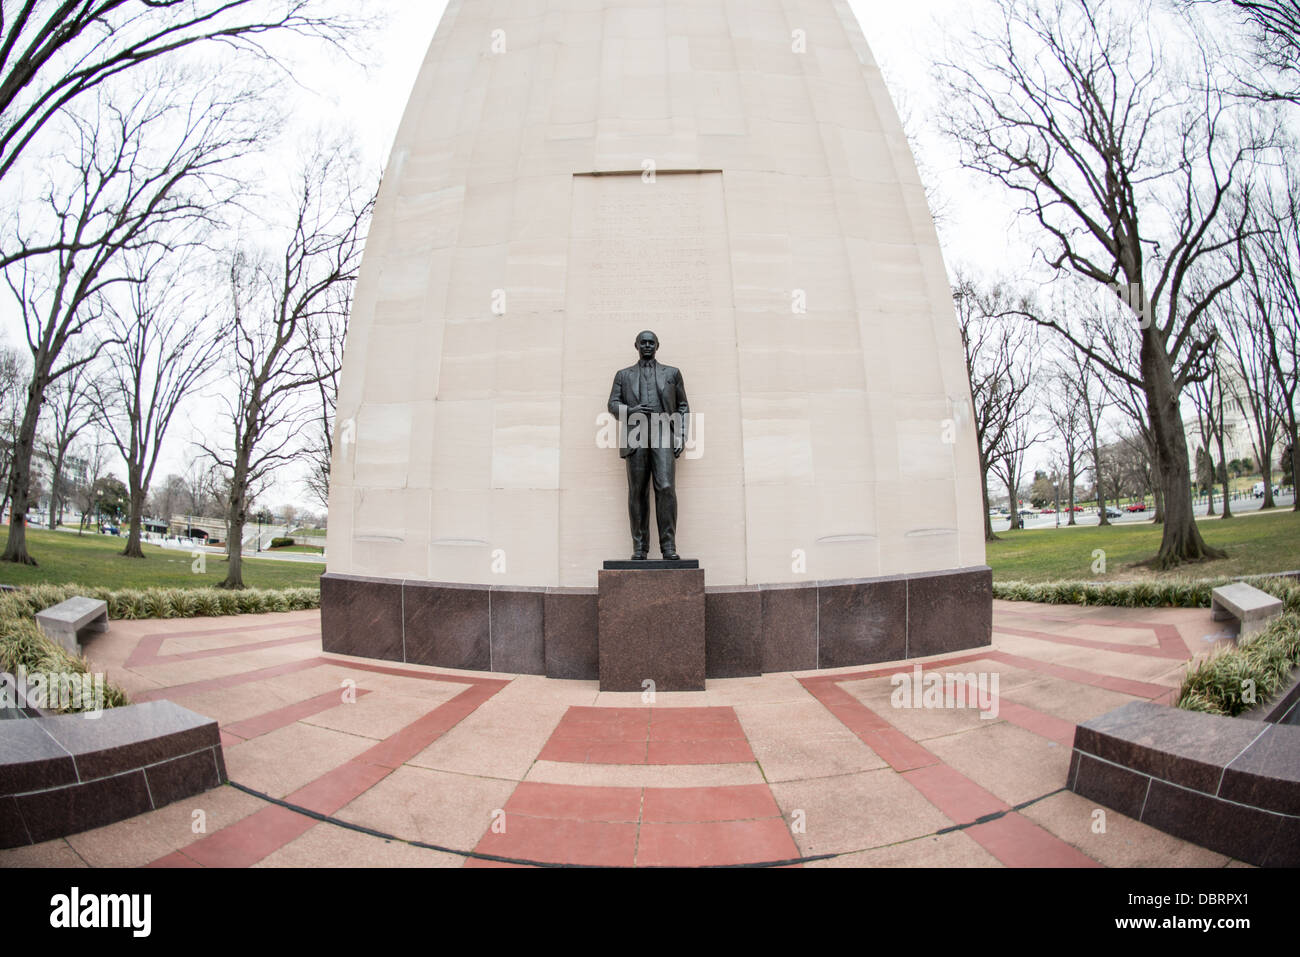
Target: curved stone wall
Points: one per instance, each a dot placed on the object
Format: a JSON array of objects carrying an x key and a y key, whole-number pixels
[{"x": 733, "y": 176}]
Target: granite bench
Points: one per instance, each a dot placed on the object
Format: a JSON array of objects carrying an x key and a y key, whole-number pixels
[
  {"x": 64, "y": 622},
  {"x": 1253, "y": 608}
]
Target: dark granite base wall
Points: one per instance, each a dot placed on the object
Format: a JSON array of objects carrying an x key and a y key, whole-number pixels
[
  {"x": 748, "y": 631},
  {"x": 64, "y": 774},
  {"x": 1229, "y": 784}
]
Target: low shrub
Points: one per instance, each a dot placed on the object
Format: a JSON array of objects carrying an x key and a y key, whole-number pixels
[
  {"x": 1155, "y": 594},
  {"x": 23, "y": 644},
  {"x": 283, "y": 543},
  {"x": 1234, "y": 681}
]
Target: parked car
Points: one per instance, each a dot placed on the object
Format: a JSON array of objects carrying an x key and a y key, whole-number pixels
[
  {"x": 1048, "y": 511},
  {"x": 1113, "y": 512},
  {"x": 1136, "y": 508},
  {"x": 110, "y": 530}
]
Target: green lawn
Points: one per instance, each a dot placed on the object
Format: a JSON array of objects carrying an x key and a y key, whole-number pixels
[
  {"x": 96, "y": 560},
  {"x": 1255, "y": 544},
  {"x": 302, "y": 549}
]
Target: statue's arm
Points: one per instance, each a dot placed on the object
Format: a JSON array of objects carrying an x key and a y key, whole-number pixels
[
  {"x": 683, "y": 407},
  {"x": 616, "y": 396}
]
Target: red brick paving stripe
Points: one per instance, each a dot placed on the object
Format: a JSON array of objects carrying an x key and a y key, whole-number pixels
[
  {"x": 898, "y": 750},
  {"x": 246, "y": 842},
  {"x": 551, "y": 841},
  {"x": 575, "y": 803},
  {"x": 648, "y": 736},
  {"x": 1017, "y": 841},
  {"x": 1040, "y": 723},
  {"x": 230, "y": 650},
  {"x": 956, "y": 795},
  {"x": 266, "y": 831},
  {"x": 715, "y": 843},
  {"x": 228, "y": 681},
  {"x": 400, "y": 747},
  {"x": 681, "y": 805},
  {"x": 283, "y": 717},
  {"x": 728, "y": 751},
  {"x": 1129, "y": 686},
  {"x": 338, "y": 788},
  {"x": 832, "y": 681},
  {"x": 894, "y": 747},
  {"x": 1142, "y": 650},
  {"x": 494, "y": 683},
  {"x": 175, "y": 859},
  {"x": 146, "y": 649}
]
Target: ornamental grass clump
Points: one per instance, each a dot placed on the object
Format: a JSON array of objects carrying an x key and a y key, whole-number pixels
[
  {"x": 1233, "y": 682},
  {"x": 23, "y": 644}
]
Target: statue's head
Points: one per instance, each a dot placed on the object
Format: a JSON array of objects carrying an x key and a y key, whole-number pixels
[{"x": 647, "y": 344}]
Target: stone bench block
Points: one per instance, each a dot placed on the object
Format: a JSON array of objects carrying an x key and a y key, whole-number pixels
[
  {"x": 65, "y": 622},
  {"x": 1253, "y": 608}
]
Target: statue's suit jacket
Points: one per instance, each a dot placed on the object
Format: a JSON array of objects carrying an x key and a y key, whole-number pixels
[{"x": 626, "y": 395}]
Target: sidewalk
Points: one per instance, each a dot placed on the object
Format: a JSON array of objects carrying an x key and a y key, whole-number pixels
[{"x": 818, "y": 769}]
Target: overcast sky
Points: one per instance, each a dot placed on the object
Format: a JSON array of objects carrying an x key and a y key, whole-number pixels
[{"x": 370, "y": 98}]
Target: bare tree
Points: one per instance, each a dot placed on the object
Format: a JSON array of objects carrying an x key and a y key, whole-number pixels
[
  {"x": 54, "y": 55},
  {"x": 71, "y": 412},
  {"x": 143, "y": 170},
  {"x": 1275, "y": 25},
  {"x": 1086, "y": 392},
  {"x": 1278, "y": 254},
  {"x": 326, "y": 334},
  {"x": 1209, "y": 396},
  {"x": 1066, "y": 411},
  {"x": 13, "y": 379},
  {"x": 164, "y": 343},
  {"x": 1252, "y": 386},
  {"x": 276, "y": 304},
  {"x": 1133, "y": 166},
  {"x": 999, "y": 365},
  {"x": 1022, "y": 436}
]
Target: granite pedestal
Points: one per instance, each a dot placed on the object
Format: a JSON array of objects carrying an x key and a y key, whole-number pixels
[{"x": 651, "y": 627}]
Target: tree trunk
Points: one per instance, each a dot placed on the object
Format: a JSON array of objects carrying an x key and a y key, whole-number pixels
[
  {"x": 1266, "y": 468},
  {"x": 1101, "y": 491},
  {"x": 1015, "y": 509},
  {"x": 1181, "y": 541},
  {"x": 235, "y": 519},
  {"x": 984, "y": 489},
  {"x": 55, "y": 498},
  {"x": 20, "y": 481},
  {"x": 1071, "y": 502},
  {"x": 1209, "y": 512},
  {"x": 133, "y": 549}
]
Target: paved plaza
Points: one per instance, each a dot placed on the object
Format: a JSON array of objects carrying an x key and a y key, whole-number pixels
[{"x": 346, "y": 762}]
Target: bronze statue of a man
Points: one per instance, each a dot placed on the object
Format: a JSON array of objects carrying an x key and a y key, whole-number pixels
[{"x": 649, "y": 401}]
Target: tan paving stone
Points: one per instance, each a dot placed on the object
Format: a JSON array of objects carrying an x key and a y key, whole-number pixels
[
  {"x": 1068, "y": 700},
  {"x": 283, "y": 761},
  {"x": 919, "y": 724},
  {"x": 417, "y": 804},
  {"x": 856, "y": 811},
  {"x": 376, "y": 715},
  {"x": 1100, "y": 662},
  {"x": 1015, "y": 764},
  {"x": 498, "y": 741},
  {"x": 954, "y": 849},
  {"x": 798, "y": 740},
  {"x": 140, "y": 840},
  {"x": 1126, "y": 843},
  {"x": 328, "y": 846},
  {"x": 56, "y": 853},
  {"x": 769, "y": 689}
]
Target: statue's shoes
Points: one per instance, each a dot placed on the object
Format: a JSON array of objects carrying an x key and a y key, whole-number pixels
[
  {"x": 672, "y": 558},
  {"x": 639, "y": 557}
]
